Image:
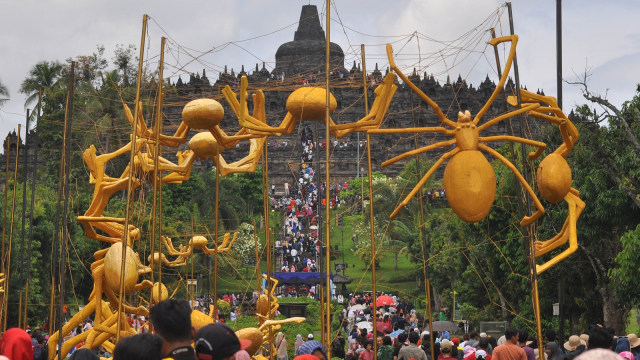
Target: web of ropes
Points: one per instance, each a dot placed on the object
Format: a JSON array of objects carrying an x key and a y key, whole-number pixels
[{"x": 467, "y": 55}]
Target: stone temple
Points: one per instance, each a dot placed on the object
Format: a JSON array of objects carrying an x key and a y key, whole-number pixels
[{"x": 301, "y": 62}]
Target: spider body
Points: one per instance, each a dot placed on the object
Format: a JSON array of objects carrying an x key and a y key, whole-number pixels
[{"x": 554, "y": 178}]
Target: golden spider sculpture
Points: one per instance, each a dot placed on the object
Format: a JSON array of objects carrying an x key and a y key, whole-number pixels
[
  {"x": 309, "y": 103},
  {"x": 554, "y": 177},
  {"x": 183, "y": 253},
  {"x": 264, "y": 335},
  {"x": 106, "y": 270},
  {"x": 469, "y": 179},
  {"x": 207, "y": 114}
]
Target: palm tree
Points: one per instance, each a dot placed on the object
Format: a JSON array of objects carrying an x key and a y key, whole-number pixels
[
  {"x": 45, "y": 75},
  {"x": 4, "y": 93}
]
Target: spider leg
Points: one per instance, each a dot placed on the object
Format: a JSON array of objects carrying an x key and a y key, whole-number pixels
[
  {"x": 576, "y": 205},
  {"x": 417, "y": 90},
  {"x": 505, "y": 73},
  {"x": 419, "y": 151},
  {"x": 384, "y": 94},
  {"x": 532, "y": 155},
  {"x": 507, "y": 115},
  {"x": 423, "y": 181},
  {"x": 526, "y": 220}
]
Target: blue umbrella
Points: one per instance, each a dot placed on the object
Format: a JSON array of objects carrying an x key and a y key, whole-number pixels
[{"x": 396, "y": 333}]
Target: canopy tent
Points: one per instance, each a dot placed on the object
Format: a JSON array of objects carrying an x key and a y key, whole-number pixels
[{"x": 299, "y": 278}]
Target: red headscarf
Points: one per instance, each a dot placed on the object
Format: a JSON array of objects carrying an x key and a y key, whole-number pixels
[{"x": 16, "y": 345}]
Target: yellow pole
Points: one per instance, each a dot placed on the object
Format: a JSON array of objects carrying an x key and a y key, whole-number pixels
[
  {"x": 13, "y": 208},
  {"x": 327, "y": 187},
  {"x": 267, "y": 236},
  {"x": 4, "y": 217},
  {"x": 157, "y": 181},
  {"x": 125, "y": 237},
  {"x": 371, "y": 223},
  {"x": 215, "y": 239}
]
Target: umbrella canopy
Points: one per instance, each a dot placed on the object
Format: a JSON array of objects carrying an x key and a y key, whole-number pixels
[
  {"x": 384, "y": 300},
  {"x": 357, "y": 307},
  {"x": 382, "y": 327},
  {"x": 444, "y": 326},
  {"x": 396, "y": 333},
  {"x": 365, "y": 325}
]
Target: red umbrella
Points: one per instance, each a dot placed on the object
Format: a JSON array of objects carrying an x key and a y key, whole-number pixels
[{"x": 384, "y": 300}]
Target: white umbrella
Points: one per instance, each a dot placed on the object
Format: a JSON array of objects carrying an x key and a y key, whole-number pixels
[
  {"x": 357, "y": 307},
  {"x": 365, "y": 325}
]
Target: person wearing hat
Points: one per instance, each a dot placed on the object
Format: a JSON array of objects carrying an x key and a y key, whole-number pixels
[
  {"x": 314, "y": 348},
  {"x": 510, "y": 349},
  {"x": 309, "y": 337},
  {"x": 446, "y": 347},
  {"x": 218, "y": 342},
  {"x": 574, "y": 347}
]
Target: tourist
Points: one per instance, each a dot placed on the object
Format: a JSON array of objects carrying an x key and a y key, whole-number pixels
[
  {"x": 412, "y": 351},
  {"x": 171, "y": 320},
  {"x": 523, "y": 335},
  {"x": 400, "y": 343},
  {"x": 634, "y": 343},
  {"x": 139, "y": 347},
  {"x": 367, "y": 353},
  {"x": 298, "y": 343},
  {"x": 281, "y": 347},
  {"x": 16, "y": 345},
  {"x": 575, "y": 347},
  {"x": 337, "y": 346},
  {"x": 218, "y": 342},
  {"x": 510, "y": 349},
  {"x": 86, "y": 354},
  {"x": 314, "y": 348},
  {"x": 553, "y": 351},
  {"x": 446, "y": 348},
  {"x": 385, "y": 352}
]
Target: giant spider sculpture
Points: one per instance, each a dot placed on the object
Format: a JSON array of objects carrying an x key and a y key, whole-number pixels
[
  {"x": 309, "y": 103},
  {"x": 554, "y": 177},
  {"x": 469, "y": 179}
]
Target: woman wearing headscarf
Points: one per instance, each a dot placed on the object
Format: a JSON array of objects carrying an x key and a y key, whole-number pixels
[
  {"x": 281, "y": 347},
  {"x": 16, "y": 345},
  {"x": 298, "y": 343},
  {"x": 553, "y": 351}
]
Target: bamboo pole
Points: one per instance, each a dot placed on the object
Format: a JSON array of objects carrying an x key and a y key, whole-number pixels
[
  {"x": 157, "y": 175},
  {"x": 21, "y": 259},
  {"x": 66, "y": 162},
  {"x": 328, "y": 186},
  {"x": 125, "y": 237},
  {"x": 33, "y": 193},
  {"x": 215, "y": 237},
  {"x": 528, "y": 240},
  {"x": 4, "y": 220},
  {"x": 267, "y": 236},
  {"x": 257, "y": 257},
  {"x": 13, "y": 208},
  {"x": 371, "y": 223}
]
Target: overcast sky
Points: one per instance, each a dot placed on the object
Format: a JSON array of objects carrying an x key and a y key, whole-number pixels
[{"x": 600, "y": 35}]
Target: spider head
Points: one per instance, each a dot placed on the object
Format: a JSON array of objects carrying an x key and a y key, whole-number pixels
[{"x": 464, "y": 118}]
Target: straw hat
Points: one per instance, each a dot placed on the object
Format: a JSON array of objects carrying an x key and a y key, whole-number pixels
[
  {"x": 633, "y": 340},
  {"x": 574, "y": 342},
  {"x": 584, "y": 337}
]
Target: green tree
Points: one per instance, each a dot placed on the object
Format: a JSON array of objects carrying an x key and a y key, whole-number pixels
[
  {"x": 46, "y": 75},
  {"x": 4, "y": 93}
]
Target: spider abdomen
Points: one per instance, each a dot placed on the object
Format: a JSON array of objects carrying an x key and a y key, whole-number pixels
[
  {"x": 554, "y": 178},
  {"x": 470, "y": 185}
]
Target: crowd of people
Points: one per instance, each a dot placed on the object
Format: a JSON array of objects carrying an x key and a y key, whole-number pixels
[{"x": 175, "y": 338}]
